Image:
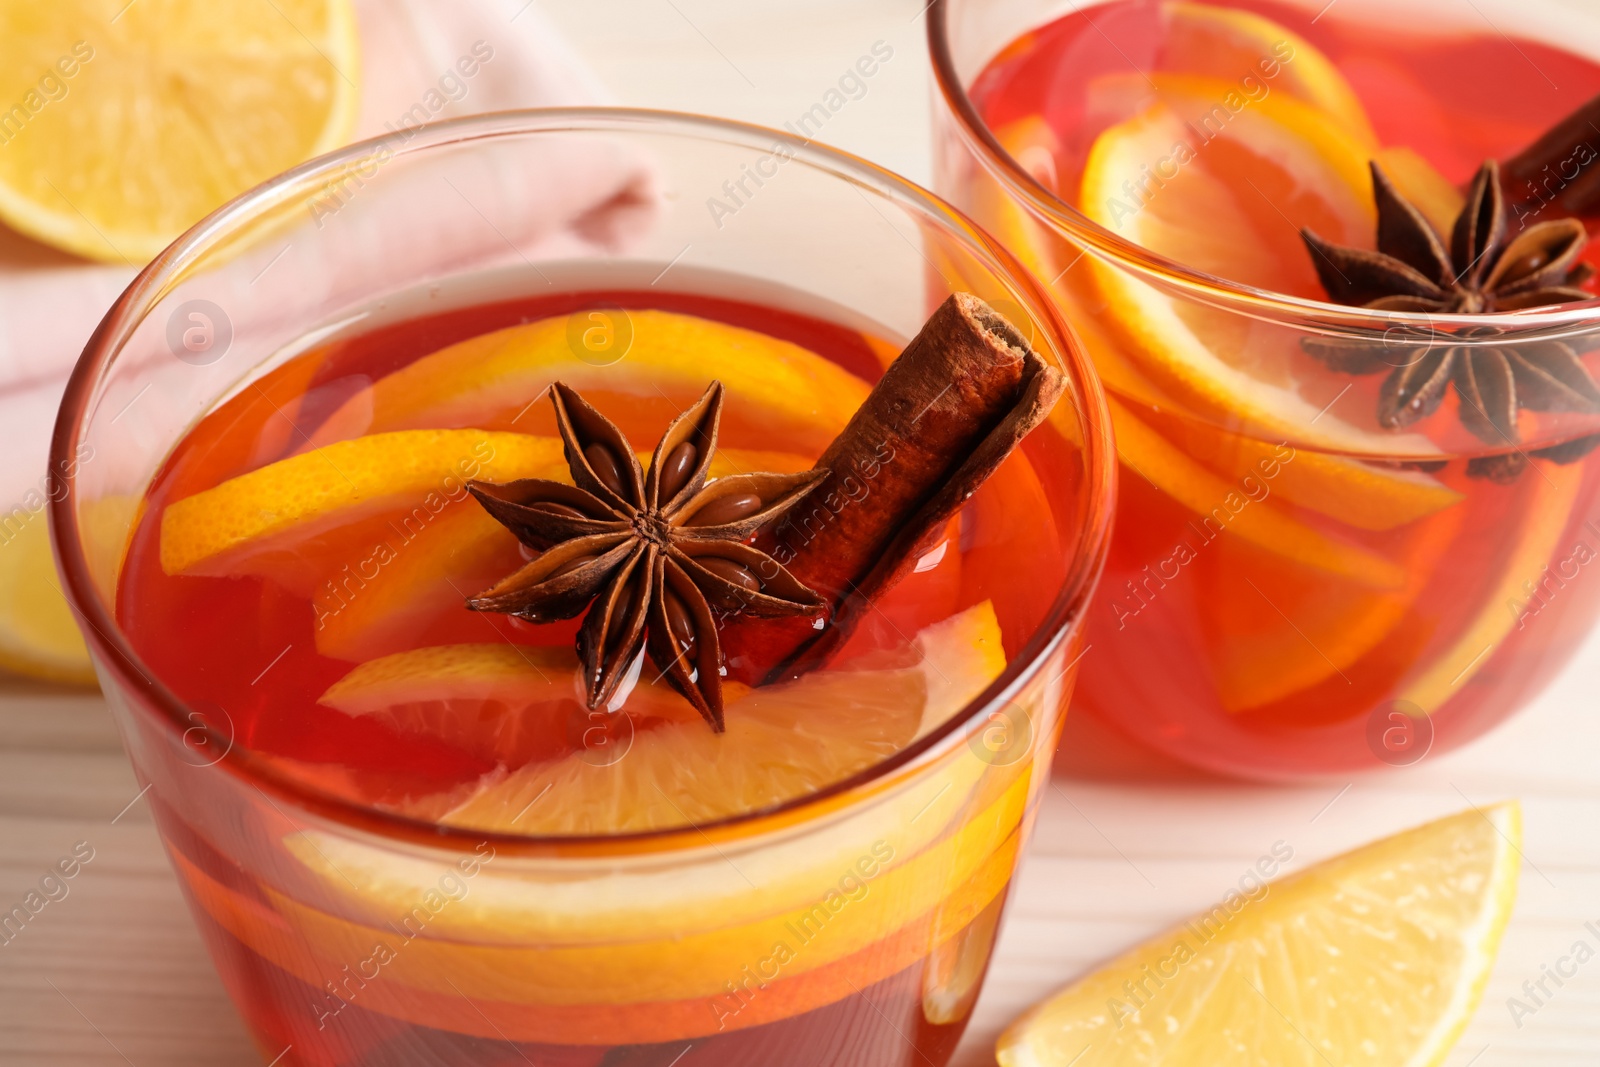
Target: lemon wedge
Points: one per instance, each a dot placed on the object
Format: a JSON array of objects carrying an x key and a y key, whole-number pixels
[{"x": 1376, "y": 957}]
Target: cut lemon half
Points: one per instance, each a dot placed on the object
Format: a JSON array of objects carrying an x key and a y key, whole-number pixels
[
  {"x": 782, "y": 742},
  {"x": 660, "y": 362},
  {"x": 1376, "y": 957},
  {"x": 129, "y": 122}
]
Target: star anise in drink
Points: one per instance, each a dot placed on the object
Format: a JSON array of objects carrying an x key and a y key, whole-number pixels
[
  {"x": 657, "y": 556},
  {"x": 1482, "y": 271}
]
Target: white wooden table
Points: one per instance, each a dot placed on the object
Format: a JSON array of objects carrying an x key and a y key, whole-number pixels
[{"x": 114, "y": 973}]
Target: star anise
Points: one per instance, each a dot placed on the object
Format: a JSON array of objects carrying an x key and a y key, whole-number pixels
[
  {"x": 659, "y": 554},
  {"x": 1481, "y": 272}
]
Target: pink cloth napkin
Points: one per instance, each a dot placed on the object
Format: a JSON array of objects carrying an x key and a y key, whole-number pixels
[{"x": 415, "y": 56}]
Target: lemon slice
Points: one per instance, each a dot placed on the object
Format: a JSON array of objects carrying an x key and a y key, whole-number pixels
[
  {"x": 1376, "y": 957},
  {"x": 128, "y": 122}
]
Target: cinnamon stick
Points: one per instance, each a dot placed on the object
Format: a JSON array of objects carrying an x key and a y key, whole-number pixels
[
  {"x": 1561, "y": 168},
  {"x": 947, "y": 412}
]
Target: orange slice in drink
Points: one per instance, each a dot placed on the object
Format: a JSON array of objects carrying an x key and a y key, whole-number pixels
[
  {"x": 1232, "y": 206},
  {"x": 511, "y": 704},
  {"x": 289, "y": 501},
  {"x": 436, "y": 566},
  {"x": 1277, "y": 630},
  {"x": 1056, "y": 264},
  {"x": 1551, "y": 489},
  {"x": 1354, "y": 492},
  {"x": 893, "y": 877},
  {"x": 1226, "y": 507},
  {"x": 660, "y": 362},
  {"x": 782, "y": 742},
  {"x": 1231, "y": 45}
]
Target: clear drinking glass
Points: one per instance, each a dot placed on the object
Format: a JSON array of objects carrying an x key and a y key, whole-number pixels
[
  {"x": 851, "y": 926},
  {"x": 1293, "y": 589}
]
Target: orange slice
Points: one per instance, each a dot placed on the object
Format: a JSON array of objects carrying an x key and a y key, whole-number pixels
[
  {"x": 895, "y": 876},
  {"x": 1290, "y": 628},
  {"x": 1553, "y": 489},
  {"x": 508, "y": 703},
  {"x": 1230, "y": 45},
  {"x": 1431, "y": 192},
  {"x": 1233, "y": 207},
  {"x": 436, "y": 567},
  {"x": 1354, "y": 492},
  {"x": 332, "y": 486},
  {"x": 1224, "y": 506},
  {"x": 782, "y": 742},
  {"x": 776, "y": 390}
]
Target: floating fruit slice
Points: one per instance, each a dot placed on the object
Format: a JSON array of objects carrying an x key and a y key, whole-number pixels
[
  {"x": 892, "y": 877},
  {"x": 642, "y": 954},
  {"x": 1354, "y": 492},
  {"x": 1290, "y": 629},
  {"x": 1225, "y": 507},
  {"x": 296, "y": 498},
  {"x": 439, "y": 565},
  {"x": 131, "y": 121},
  {"x": 1229, "y": 44},
  {"x": 38, "y": 632},
  {"x": 1232, "y": 206},
  {"x": 1375, "y": 957},
  {"x": 1552, "y": 489},
  {"x": 777, "y": 390},
  {"x": 511, "y": 704},
  {"x": 782, "y": 742},
  {"x": 1035, "y": 147},
  {"x": 1349, "y": 490}
]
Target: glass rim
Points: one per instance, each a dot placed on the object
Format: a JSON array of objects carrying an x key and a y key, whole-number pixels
[
  {"x": 1260, "y": 303},
  {"x": 119, "y": 658}
]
